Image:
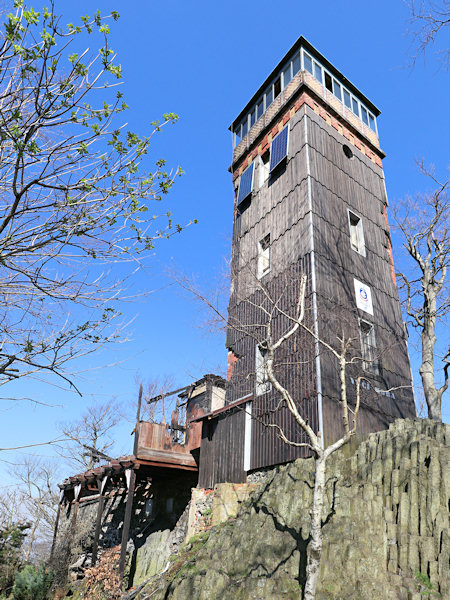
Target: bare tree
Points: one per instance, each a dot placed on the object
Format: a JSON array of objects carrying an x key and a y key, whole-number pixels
[
  {"x": 38, "y": 498},
  {"x": 88, "y": 440},
  {"x": 274, "y": 326},
  {"x": 75, "y": 197},
  {"x": 424, "y": 224},
  {"x": 427, "y": 21}
]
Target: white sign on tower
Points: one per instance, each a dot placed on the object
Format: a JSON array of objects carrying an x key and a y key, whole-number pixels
[{"x": 363, "y": 296}]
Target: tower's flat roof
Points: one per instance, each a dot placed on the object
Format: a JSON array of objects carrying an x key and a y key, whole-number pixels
[{"x": 303, "y": 43}]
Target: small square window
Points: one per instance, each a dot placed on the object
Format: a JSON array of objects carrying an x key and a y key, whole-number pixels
[
  {"x": 356, "y": 233},
  {"x": 371, "y": 363},
  {"x": 264, "y": 256},
  {"x": 262, "y": 381}
]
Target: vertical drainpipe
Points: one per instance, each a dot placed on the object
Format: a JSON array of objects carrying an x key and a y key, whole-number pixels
[{"x": 313, "y": 286}]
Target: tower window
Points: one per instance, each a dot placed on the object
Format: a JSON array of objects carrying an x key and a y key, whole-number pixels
[
  {"x": 369, "y": 347},
  {"x": 264, "y": 256},
  {"x": 246, "y": 184},
  {"x": 318, "y": 72},
  {"x": 277, "y": 87},
  {"x": 355, "y": 106},
  {"x": 262, "y": 380},
  {"x": 307, "y": 62},
  {"x": 337, "y": 90},
  {"x": 364, "y": 116},
  {"x": 269, "y": 97},
  {"x": 328, "y": 82},
  {"x": 356, "y": 233},
  {"x": 347, "y": 151},
  {"x": 347, "y": 99},
  {"x": 279, "y": 148},
  {"x": 260, "y": 108},
  {"x": 287, "y": 75},
  {"x": 296, "y": 65},
  {"x": 264, "y": 162}
]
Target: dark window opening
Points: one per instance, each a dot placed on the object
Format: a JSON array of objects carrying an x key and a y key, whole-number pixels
[
  {"x": 328, "y": 82},
  {"x": 259, "y": 108},
  {"x": 277, "y": 87},
  {"x": 347, "y": 151}
]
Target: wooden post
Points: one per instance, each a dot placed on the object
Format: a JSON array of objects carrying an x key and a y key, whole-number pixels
[
  {"x": 131, "y": 481},
  {"x": 55, "y": 531},
  {"x": 77, "y": 493},
  {"x": 127, "y": 520},
  {"x": 101, "y": 483}
]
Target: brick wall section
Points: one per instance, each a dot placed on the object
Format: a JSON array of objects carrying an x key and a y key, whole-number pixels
[
  {"x": 305, "y": 98},
  {"x": 232, "y": 359}
]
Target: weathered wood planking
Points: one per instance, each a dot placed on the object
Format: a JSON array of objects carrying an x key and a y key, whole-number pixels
[
  {"x": 339, "y": 184},
  {"x": 222, "y": 449}
]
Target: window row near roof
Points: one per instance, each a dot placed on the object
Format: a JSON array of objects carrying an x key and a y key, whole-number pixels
[
  {"x": 301, "y": 60},
  {"x": 342, "y": 94}
]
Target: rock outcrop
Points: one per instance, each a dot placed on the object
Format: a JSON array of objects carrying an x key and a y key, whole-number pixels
[{"x": 386, "y": 533}]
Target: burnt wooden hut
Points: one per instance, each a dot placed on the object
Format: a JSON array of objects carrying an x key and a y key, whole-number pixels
[{"x": 310, "y": 198}]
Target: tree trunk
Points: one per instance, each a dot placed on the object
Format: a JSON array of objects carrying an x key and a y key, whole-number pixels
[
  {"x": 315, "y": 553},
  {"x": 432, "y": 396}
]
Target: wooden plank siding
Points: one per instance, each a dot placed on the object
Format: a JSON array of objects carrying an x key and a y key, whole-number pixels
[
  {"x": 294, "y": 365},
  {"x": 222, "y": 449},
  {"x": 340, "y": 184}
]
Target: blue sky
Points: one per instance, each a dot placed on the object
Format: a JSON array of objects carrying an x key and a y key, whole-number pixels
[{"x": 204, "y": 61}]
